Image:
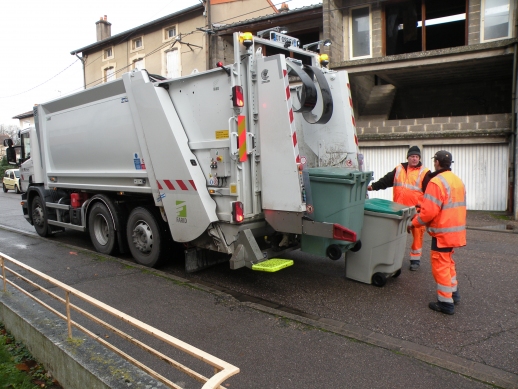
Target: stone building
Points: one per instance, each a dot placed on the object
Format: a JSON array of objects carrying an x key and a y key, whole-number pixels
[
  {"x": 436, "y": 74},
  {"x": 172, "y": 46}
]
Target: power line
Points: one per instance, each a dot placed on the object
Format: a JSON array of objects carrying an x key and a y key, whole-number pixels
[
  {"x": 28, "y": 90},
  {"x": 124, "y": 38}
]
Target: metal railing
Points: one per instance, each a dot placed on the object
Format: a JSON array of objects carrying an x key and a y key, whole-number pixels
[{"x": 222, "y": 369}]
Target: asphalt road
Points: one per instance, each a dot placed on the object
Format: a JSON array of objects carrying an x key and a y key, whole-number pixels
[{"x": 482, "y": 336}]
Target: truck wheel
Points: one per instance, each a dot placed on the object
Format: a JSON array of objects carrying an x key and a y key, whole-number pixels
[
  {"x": 144, "y": 239},
  {"x": 17, "y": 189},
  {"x": 101, "y": 229},
  {"x": 4, "y": 188},
  {"x": 39, "y": 218}
]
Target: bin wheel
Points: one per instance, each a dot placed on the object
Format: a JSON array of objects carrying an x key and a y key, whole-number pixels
[
  {"x": 357, "y": 246},
  {"x": 397, "y": 274},
  {"x": 334, "y": 252},
  {"x": 379, "y": 279}
]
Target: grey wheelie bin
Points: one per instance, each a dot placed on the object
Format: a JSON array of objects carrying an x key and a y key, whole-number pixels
[
  {"x": 383, "y": 242},
  {"x": 337, "y": 196}
]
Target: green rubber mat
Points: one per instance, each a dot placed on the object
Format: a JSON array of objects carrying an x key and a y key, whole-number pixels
[{"x": 272, "y": 265}]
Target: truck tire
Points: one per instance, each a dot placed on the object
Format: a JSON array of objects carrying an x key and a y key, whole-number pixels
[
  {"x": 4, "y": 187},
  {"x": 144, "y": 237},
  {"x": 17, "y": 189},
  {"x": 39, "y": 217},
  {"x": 101, "y": 229}
]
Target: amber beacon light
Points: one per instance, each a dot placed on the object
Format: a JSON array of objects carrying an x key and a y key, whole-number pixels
[{"x": 247, "y": 39}]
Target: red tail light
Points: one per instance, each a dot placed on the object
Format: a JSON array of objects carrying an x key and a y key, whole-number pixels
[
  {"x": 237, "y": 96},
  {"x": 237, "y": 212}
]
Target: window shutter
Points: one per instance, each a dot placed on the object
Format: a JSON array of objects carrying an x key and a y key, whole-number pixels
[{"x": 173, "y": 64}]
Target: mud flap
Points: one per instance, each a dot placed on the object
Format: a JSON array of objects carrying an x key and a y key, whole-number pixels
[{"x": 198, "y": 259}]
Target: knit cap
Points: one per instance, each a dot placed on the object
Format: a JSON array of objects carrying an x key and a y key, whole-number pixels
[{"x": 414, "y": 150}]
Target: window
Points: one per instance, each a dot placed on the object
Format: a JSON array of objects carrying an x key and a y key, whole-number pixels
[
  {"x": 138, "y": 63},
  {"x": 170, "y": 33},
  {"x": 444, "y": 25},
  {"x": 109, "y": 74},
  {"x": 137, "y": 44},
  {"x": 496, "y": 16},
  {"x": 108, "y": 53},
  {"x": 173, "y": 64},
  {"x": 360, "y": 33}
]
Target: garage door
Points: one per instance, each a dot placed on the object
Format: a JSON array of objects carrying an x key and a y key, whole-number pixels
[
  {"x": 483, "y": 169},
  {"x": 381, "y": 160}
]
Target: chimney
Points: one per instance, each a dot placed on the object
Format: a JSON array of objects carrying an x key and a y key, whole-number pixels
[
  {"x": 103, "y": 28},
  {"x": 284, "y": 8}
]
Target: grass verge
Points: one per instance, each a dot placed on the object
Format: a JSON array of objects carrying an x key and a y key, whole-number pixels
[{"x": 18, "y": 369}]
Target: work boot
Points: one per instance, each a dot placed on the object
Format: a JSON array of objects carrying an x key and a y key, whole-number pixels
[
  {"x": 456, "y": 297},
  {"x": 414, "y": 265},
  {"x": 439, "y": 306}
]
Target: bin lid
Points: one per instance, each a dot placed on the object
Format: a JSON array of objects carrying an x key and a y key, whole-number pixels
[
  {"x": 385, "y": 206},
  {"x": 332, "y": 172}
]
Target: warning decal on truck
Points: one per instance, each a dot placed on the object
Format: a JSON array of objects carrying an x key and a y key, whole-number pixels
[
  {"x": 139, "y": 162},
  {"x": 222, "y": 134},
  {"x": 177, "y": 186}
]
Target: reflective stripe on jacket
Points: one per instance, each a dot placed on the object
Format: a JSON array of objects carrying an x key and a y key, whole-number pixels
[
  {"x": 407, "y": 184},
  {"x": 443, "y": 210}
]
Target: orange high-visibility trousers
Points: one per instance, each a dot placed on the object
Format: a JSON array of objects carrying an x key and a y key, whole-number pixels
[
  {"x": 443, "y": 270},
  {"x": 417, "y": 244}
]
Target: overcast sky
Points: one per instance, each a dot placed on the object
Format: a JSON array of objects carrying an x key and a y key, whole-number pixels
[{"x": 37, "y": 37}]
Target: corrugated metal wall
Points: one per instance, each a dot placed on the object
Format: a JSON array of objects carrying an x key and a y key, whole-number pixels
[
  {"x": 382, "y": 160},
  {"x": 483, "y": 169}
]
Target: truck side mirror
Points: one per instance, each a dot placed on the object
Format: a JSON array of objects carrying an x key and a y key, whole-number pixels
[{"x": 10, "y": 153}]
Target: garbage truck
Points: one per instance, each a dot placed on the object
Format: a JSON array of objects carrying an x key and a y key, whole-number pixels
[{"x": 240, "y": 163}]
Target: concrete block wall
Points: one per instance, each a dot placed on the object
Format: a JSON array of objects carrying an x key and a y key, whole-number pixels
[
  {"x": 484, "y": 123},
  {"x": 333, "y": 28},
  {"x": 377, "y": 33},
  {"x": 474, "y": 8}
]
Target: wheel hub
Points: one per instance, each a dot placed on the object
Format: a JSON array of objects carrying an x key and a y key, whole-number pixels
[
  {"x": 143, "y": 237},
  {"x": 37, "y": 216},
  {"x": 102, "y": 232}
]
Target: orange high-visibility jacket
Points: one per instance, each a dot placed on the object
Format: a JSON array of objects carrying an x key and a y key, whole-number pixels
[
  {"x": 407, "y": 184},
  {"x": 443, "y": 210}
]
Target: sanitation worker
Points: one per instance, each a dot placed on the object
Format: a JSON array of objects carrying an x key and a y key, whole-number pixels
[
  {"x": 443, "y": 212},
  {"x": 407, "y": 179}
]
